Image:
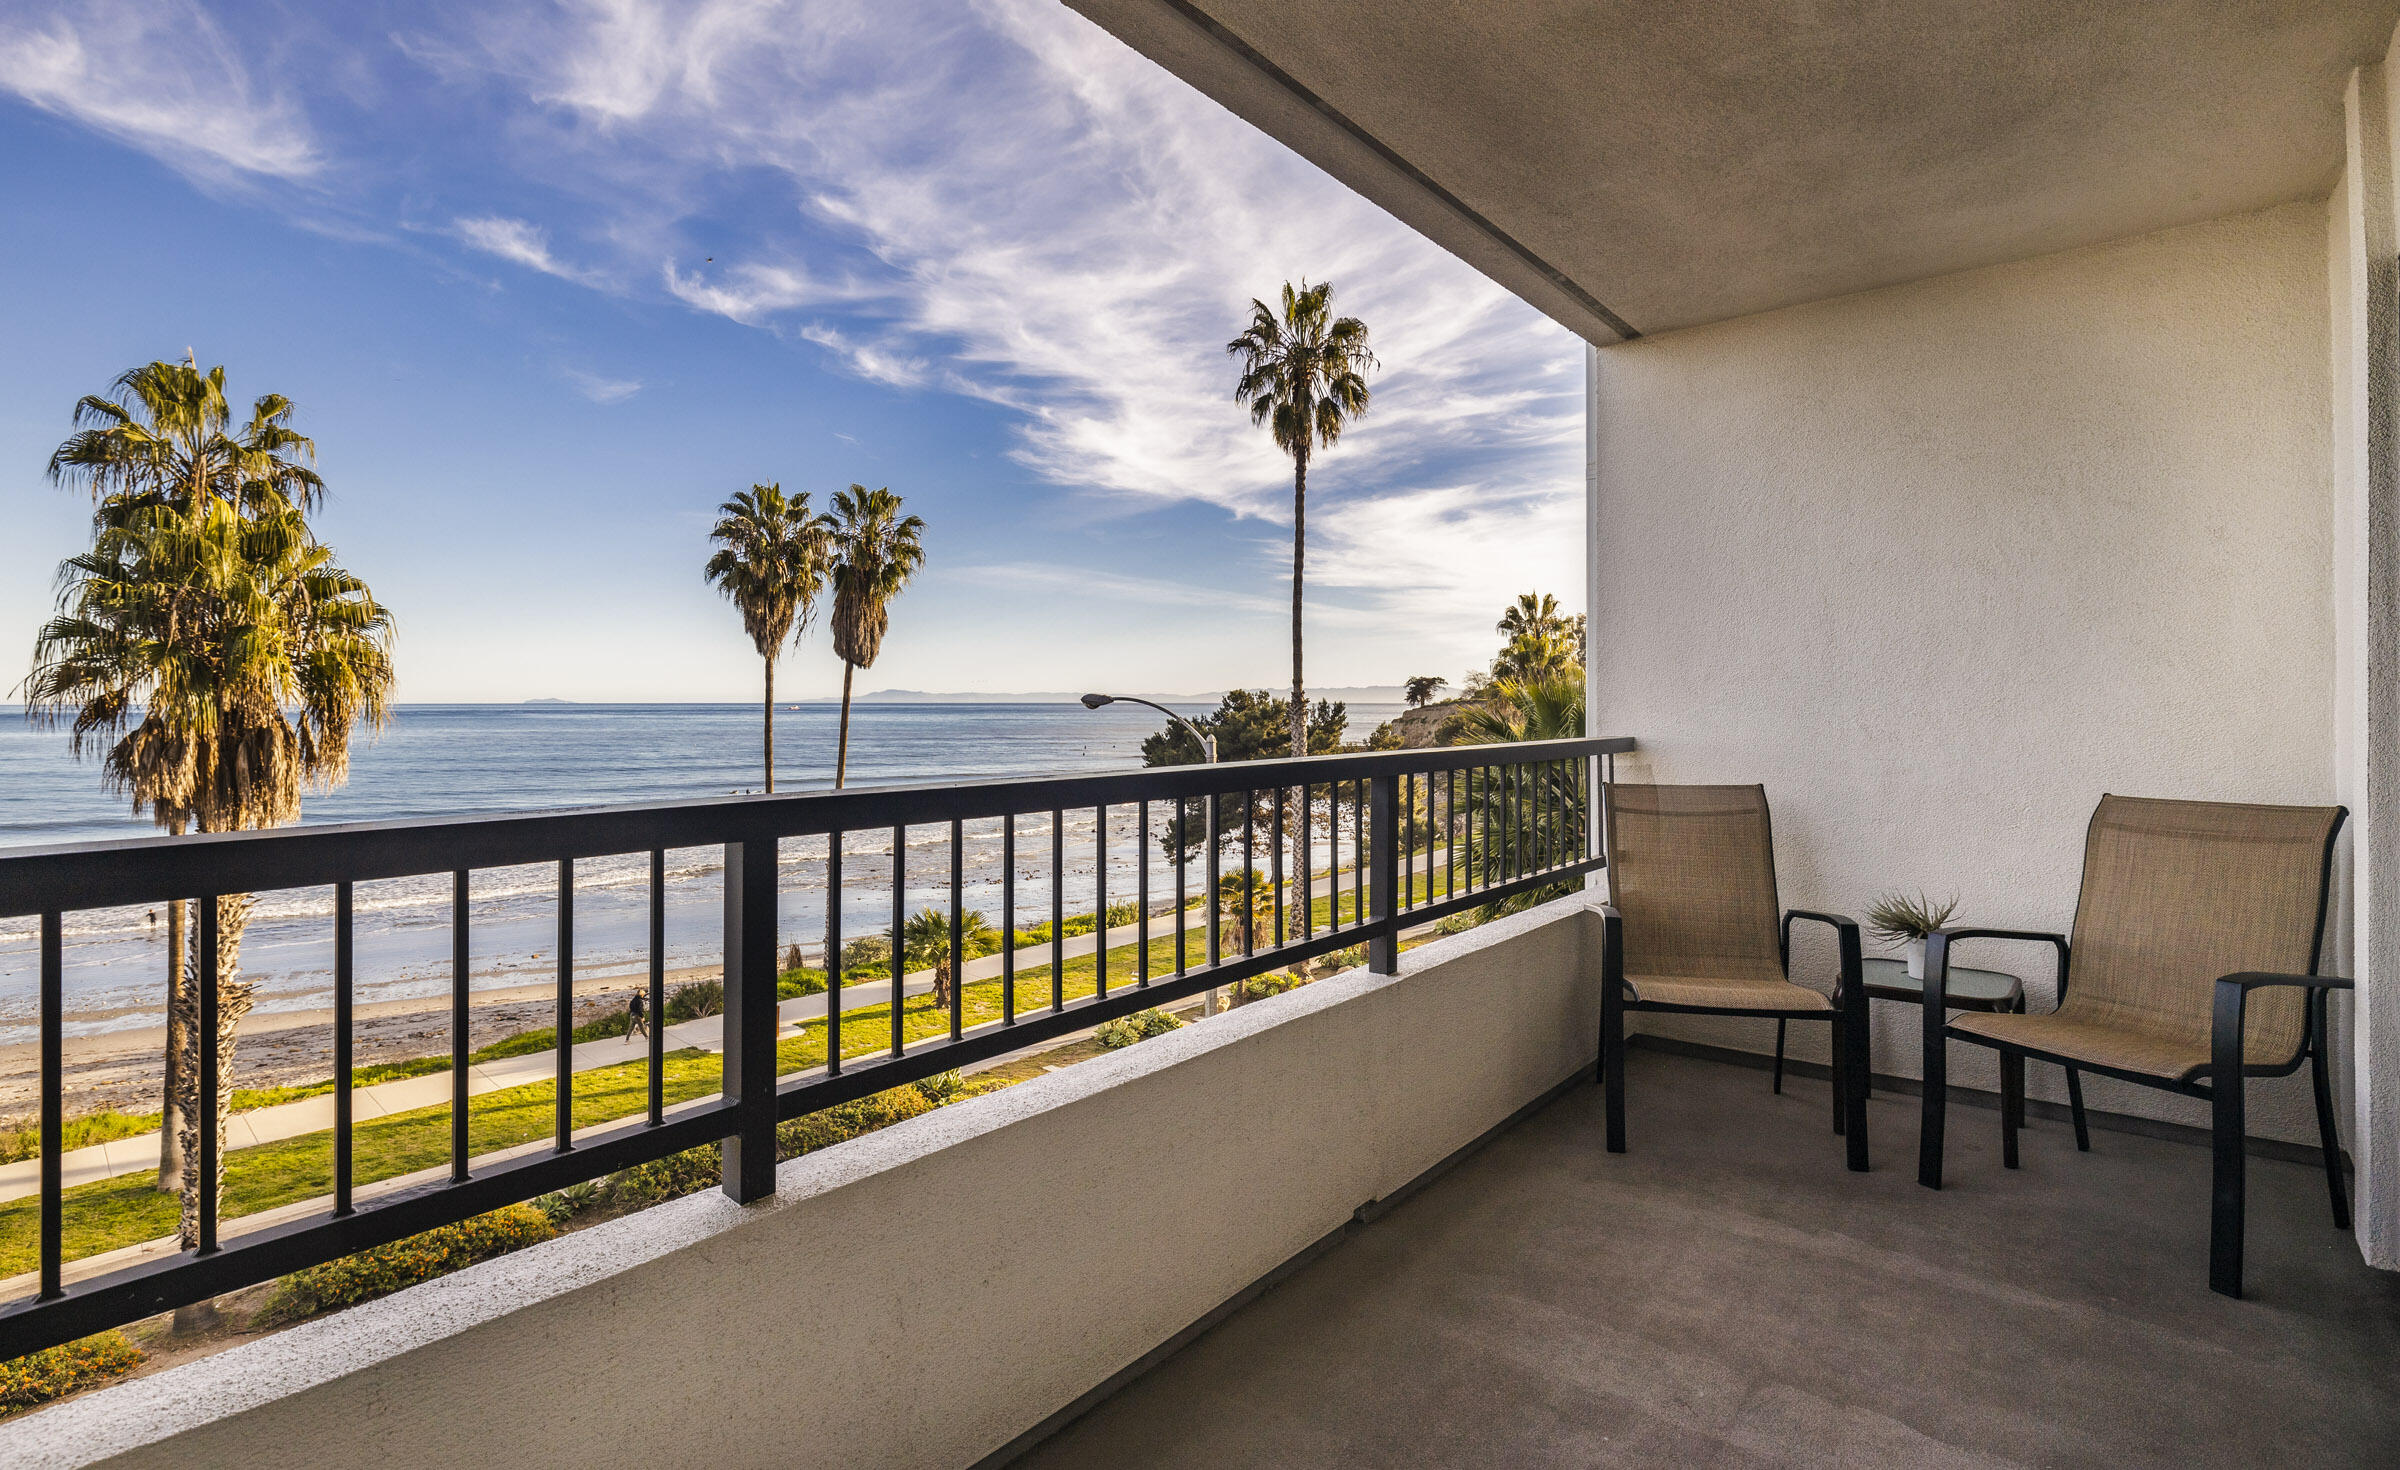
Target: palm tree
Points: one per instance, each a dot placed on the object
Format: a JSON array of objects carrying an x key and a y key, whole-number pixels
[
  {"x": 1550, "y": 803},
  {"x": 250, "y": 656},
  {"x": 1532, "y": 612},
  {"x": 925, "y": 945},
  {"x": 1304, "y": 377},
  {"x": 875, "y": 551},
  {"x": 160, "y": 438},
  {"x": 770, "y": 563}
]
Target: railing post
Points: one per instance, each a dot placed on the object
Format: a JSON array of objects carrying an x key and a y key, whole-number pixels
[
  {"x": 1383, "y": 862},
  {"x": 750, "y": 893}
]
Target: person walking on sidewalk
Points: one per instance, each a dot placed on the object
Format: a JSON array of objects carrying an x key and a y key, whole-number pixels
[{"x": 637, "y": 1017}]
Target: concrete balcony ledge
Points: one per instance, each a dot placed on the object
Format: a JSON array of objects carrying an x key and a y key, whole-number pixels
[{"x": 928, "y": 1295}]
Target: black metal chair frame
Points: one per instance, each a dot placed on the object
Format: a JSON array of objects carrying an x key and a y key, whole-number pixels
[
  {"x": 1848, "y": 1018},
  {"x": 2223, "y": 1090}
]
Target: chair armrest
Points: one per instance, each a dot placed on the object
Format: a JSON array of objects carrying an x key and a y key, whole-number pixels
[
  {"x": 2030, "y": 936},
  {"x": 1612, "y": 945},
  {"x": 1845, "y": 932},
  {"x": 2233, "y": 998}
]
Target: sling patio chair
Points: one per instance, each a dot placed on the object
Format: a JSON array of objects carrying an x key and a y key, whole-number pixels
[
  {"x": 2195, "y": 942},
  {"x": 1691, "y": 929}
]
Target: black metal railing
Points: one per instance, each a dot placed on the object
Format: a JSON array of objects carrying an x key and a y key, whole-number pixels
[{"x": 1408, "y": 837}]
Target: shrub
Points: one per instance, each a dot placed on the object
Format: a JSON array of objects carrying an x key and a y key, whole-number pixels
[
  {"x": 1140, "y": 1026},
  {"x": 388, "y": 1268},
  {"x": 55, "y": 1372},
  {"x": 870, "y": 949},
  {"x": 700, "y": 998},
  {"x": 799, "y": 981},
  {"x": 1120, "y": 915},
  {"x": 566, "y": 1204},
  {"x": 1259, "y": 987},
  {"x": 672, "y": 1177},
  {"x": 793, "y": 959}
]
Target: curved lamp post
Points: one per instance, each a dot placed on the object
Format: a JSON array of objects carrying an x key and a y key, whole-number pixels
[{"x": 1208, "y": 807}]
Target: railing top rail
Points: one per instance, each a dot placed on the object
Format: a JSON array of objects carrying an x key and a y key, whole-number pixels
[{"x": 141, "y": 870}]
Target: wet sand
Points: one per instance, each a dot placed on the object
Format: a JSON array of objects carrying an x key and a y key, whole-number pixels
[{"x": 122, "y": 1069}]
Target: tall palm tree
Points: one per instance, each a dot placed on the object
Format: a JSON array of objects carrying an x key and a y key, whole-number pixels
[
  {"x": 1532, "y": 612},
  {"x": 770, "y": 563},
  {"x": 164, "y": 436},
  {"x": 1304, "y": 376},
  {"x": 875, "y": 551},
  {"x": 250, "y": 656}
]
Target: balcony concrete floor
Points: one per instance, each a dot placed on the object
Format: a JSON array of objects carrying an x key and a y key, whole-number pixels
[{"x": 1727, "y": 1294}]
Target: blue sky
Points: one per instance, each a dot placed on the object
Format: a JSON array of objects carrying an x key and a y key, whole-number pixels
[{"x": 548, "y": 281}]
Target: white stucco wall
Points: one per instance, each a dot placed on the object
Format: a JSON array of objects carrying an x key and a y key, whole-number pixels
[
  {"x": 919, "y": 1297},
  {"x": 1941, "y": 564},
  {"x": 2361, "y": 235}
]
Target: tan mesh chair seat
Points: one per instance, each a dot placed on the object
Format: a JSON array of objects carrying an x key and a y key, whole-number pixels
[
  {"x": 1774, "y": 994},
  {"x": 2175, "y": 895},
  {"x": 2127, "y": 1048}
]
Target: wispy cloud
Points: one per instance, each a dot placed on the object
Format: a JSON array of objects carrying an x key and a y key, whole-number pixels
[
  {"x": 1113, "y": 588},
  {"x": 600, "y": 389},
  {"x": 520, "y": 242},
  {"x": 750, "y": 293},
  {"x": 159, "y": 75},
  {"x": 1047, "y": 222}
]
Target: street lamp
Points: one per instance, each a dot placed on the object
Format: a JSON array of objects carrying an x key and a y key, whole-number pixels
[
  {"x": 1208, "y": 808},
  {"x": 1208, "y": 742}
]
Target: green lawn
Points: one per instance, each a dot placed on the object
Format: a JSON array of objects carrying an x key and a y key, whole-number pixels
[{"x": 110, "y": 1213}]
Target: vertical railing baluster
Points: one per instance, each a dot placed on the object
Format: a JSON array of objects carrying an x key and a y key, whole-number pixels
[
  {"x": 1308, "y": 877},
  {"x": 1383, "y": 848},
  {"x": 564, "y": 1013},
  {"x": 54, "y": 1101},
  {"x": 343, "y": 975},
  {"x": 897, "y": 965},
  {"x": 1249, "y": 874},
  {"x": 459, "y": 976},
  {"x": 958, "y": 927},
  {"x": 752, "y": 889},
  {"x": 1183, "y": 902},
  {"x": 1141, "y": 896},
  {"x": 1275, "y": 860},
  {"x": 1216, "y": 885},
  {"x": 657, "y": 1018},
  {"x": 1333, "y": 857},
  {"x": 210, "y": 1163},
  {"x": 833, "y": 954},
  {"x": 1058, "y": 910},
  {"x": 1358, "y": 851},
  {"x": 1467, "y": 826},
  {"x": 1100, "y": 900},
  {"x": 1408, "y": 844},
  {"x": 1008, "y": 920}
]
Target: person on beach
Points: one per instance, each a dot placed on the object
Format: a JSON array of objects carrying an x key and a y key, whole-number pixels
[{"x": 637, "y": 1018}]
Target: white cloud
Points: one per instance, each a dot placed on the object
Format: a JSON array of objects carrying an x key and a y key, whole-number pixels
[
  {"x": 159, "y": 75},
  {"x": 518, "y": 241},
  {"x": 750, "y": 293},
  {"x": 1114, "y": 588},
  {"x": 600, "y": 389}
]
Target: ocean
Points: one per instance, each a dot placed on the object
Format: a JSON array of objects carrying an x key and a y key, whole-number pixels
[{"x": 454, "y": 760}]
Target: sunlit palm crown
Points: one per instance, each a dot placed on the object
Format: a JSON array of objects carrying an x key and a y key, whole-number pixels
[
  {"x": 1525, "y": 709},
  {"x": 876, "y": 550},
  {"x": 1303, "y": 369},
  {"x": 160, "y": 438},
  {"x": 770, "y": 562},
  {"x": 248, "y": 653}
]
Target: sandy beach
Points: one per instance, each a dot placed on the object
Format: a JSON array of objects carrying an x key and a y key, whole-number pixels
[{"x": 122, "y": 1069}]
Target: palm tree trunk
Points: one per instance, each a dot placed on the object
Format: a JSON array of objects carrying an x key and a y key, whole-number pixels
[
  {"x": 170, "y": 1119},
  {"x": 770, "y": 742},
  {"x": 841, "y": 758},
  {"x": 1299, "y": 562},
  {"x": 233, "y": 1003},
  {"x": 1299, "y": 829}
]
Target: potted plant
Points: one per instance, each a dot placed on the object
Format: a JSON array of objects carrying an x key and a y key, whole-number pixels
[{"x": 1896, "y": 918}]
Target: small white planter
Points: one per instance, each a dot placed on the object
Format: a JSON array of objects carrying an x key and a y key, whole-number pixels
[{"x": 1915, "y": 950}]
